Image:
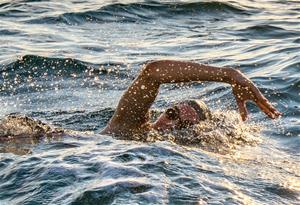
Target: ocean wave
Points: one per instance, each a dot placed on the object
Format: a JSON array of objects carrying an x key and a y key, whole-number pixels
[
  {"x": 290, "y": 89},
  {"x": 107, "y": 192},
  {"x": 86, "y": 121},
  {"x": 142, "y": 12},
  {"x": 30, "y": 69},
  {"x": 9, "y": 32},
  {"x": 265, "y": 32},
  {"x": 13, "y": 13},
  {"x": 37, "y": 66},
  {"x": 285, "y": 84},
  {"x": 8, "y": 4}
]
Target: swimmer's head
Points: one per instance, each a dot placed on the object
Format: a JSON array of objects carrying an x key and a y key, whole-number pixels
[{"x": 182, "y": 115}]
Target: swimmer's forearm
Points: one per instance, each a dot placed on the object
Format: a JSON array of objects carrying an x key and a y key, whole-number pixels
[{"x": 169, "y": 71}]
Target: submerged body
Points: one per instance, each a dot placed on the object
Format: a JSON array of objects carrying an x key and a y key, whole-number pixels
[{"x": 14, "y": 126}]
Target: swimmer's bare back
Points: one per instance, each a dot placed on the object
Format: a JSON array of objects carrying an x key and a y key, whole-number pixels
[
  {"x": 132, "y": 112},
  {"x": 16, "y": 126}
]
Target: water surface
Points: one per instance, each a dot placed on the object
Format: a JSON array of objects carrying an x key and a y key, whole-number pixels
[{"x": 68, "y": 63}]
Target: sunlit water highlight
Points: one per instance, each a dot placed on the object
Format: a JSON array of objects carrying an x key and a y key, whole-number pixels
[{"x": 67, "y": 64}]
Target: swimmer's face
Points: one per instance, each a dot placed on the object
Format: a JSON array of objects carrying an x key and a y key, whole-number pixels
[{"x": 179, "y": 116}]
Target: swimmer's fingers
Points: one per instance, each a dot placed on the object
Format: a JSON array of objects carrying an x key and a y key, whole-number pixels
[
  {"x": 264, "y": 104},
  {"x": 242, "y": 108},
  {"x": 268, "y": 109}
]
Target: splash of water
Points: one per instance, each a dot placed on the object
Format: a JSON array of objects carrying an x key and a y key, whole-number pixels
[
  {"x": 224, "y": 132},
  {"x": 13, "y": 126}
]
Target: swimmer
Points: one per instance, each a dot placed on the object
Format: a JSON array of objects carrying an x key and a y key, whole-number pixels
[{"x": 132, "y": 113}]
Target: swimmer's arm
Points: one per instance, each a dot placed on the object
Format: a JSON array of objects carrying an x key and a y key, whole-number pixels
[
  {"x": 243, "y": 88},
  {"x": 133, "y": 107}
]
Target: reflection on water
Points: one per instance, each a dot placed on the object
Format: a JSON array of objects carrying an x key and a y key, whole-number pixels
[{"x": 67, "y": 64}]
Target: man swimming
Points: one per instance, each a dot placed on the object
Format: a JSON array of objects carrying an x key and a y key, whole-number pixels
[{"x": 132, "y": 113}]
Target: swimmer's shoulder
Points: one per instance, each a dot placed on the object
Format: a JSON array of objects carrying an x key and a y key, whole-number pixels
[{"x": 124, "y": 131}]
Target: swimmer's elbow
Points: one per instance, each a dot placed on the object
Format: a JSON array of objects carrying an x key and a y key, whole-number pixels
[{"x": 151, "y": 70}]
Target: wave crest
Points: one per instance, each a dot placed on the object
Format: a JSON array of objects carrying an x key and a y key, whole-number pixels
[
  {"x": 18, "y": 75},
  {"x": 142, "y": 12},
  {"x": 266, "y": 32}
]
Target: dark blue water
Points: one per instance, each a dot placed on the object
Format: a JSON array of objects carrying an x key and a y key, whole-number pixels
[{"x": 67, "y": 63}]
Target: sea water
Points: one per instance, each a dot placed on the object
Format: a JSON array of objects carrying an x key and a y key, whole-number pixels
[{"x": 67, "y": 64}]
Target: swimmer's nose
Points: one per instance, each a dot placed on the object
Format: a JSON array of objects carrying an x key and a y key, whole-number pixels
[{"x": 163, "y": 123}]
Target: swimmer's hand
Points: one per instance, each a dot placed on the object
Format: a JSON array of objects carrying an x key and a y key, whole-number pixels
[{"x": 244, "y": 90}]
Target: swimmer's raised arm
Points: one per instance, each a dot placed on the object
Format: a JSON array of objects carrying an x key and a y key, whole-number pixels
[{"x": 133, "y": 107}]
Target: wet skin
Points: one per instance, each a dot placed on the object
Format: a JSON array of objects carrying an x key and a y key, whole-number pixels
[
  {"x": 186, "y": 114},
  {"x": 140, "y": 95}
]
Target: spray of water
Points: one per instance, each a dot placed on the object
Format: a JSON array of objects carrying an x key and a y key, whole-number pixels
[{"x": 224, "y": 132}]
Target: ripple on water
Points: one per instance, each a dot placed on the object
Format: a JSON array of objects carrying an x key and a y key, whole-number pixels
[
  {"x": 107, "y": 191},
  {"x": 5, "y": 162},
  {"x": 61, "y": 145},
  {"x": 266, "y": 32},
  {"x": 283, "y": 192},
  {"x": 139, "y": 12},
  {"x": 68, "y": 62}
]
